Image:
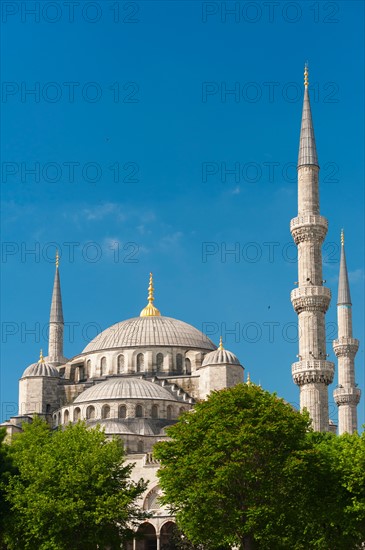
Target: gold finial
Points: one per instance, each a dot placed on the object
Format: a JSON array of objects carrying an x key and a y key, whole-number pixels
[
  {"x": 150, "y": 310},
  {"x": 342, "y": 237},
  {"x": 220, "y": 347},
  {"x": 41, "y": 358},
  {"x": 57, "y": 259},
  {"x": 306, "y": 74},
  {"x": 248, "y": 382}
]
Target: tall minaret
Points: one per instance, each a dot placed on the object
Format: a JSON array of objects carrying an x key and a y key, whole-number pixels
[
  {"x": 56, "y": 324},
  {"x": 312, "y": 373},
  {"x": 346, "y": 395}
]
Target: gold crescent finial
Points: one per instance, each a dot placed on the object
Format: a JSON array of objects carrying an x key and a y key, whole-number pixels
[
  {"x": 220, "y": 347},
  {"x": 342, "y": 237},
  {"x": 150, "y": 310},
  {"x": 57, "y": 259},
  {"x": 306, "y": 74},
  {"x": 248, "y": 382},
  {"x": 41, "y": 358}
]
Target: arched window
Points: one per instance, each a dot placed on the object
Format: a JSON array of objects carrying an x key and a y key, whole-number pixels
[
  {"x": 169, "y": 412},
  {"x": 66, "y": 416},
  {"x": 59, "y": 418},
  {"x": 88, "y": 368},
  {"x": 140, "y": 362},
  {"x": 140, "y": 446},
  {"x": 102, "y": 366},
  {"x": 105, "y": 411},
  {"x": 120, "y": 364},
  {"x": 167, "y": 534},
  {"x": 77, "y": 414},
  {"x": 159, "y": 362},
  {"x": 90, "y": 412},
  {"x": 139, "y": 411},
  {"x": 179, "y": 362},
  {"x": 48, "y": 408},
  {"x": 55, "y": 419},
  {"x": 154, "y": 411},
  {"x": 146, "y": 537},
  {"x": 187, "y": 365},
  {"x": 122, "y": 411}
]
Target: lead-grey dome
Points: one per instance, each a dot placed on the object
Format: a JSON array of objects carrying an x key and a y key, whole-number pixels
[
  {"x": 219, "y": 357},
  {"x": 124, "y": 388},
  {"x": 150, "y": 331},
  {"x": 41, "y": 369}
]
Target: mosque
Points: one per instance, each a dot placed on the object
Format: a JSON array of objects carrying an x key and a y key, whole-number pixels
[{"x": 136, "y": 377}]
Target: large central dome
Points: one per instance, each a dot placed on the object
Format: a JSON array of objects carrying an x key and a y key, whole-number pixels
[{"x": 150, "y": 331}]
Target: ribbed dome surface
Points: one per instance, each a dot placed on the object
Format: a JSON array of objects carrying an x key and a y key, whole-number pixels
[
  {"x": 124, "y": 388},
  {"x": 41, "y": 369},
  {"x": 150, "y": 331},
  {"x": 220, "y": 356},
  {"x": 114, "y": 427}
]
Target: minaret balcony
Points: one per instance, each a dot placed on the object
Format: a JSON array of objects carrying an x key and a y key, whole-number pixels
[
  {"x": 314, "y": 371},
  {"x": 311, "y": 227},
  {"x": 345, "y": 347},
  {"x": 347, "y": 396},
  {"x": 310, "y": 298}
]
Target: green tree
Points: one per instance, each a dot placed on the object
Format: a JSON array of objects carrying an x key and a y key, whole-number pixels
[
  {"x": 6, "y": 471},
  {"x": 243, "y": 469},
  {"x": 72, "y": 490}
]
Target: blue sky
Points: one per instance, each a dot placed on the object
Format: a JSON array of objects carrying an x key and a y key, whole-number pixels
[{"x": 162, "y": 136}]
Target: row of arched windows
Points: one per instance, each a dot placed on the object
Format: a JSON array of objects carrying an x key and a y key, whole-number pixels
[
  {"x": 140, "y": 364},
  {"x": 139, "y": 412}
]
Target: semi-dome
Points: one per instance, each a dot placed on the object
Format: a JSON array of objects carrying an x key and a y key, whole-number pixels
[
  {"x": 124, "y": 388},
  {"x": 220, "y": 356},
  {"x": 41, "y": 368},
  {"x": 150, "y": 331},
  {"x": 113, "y": 427}
]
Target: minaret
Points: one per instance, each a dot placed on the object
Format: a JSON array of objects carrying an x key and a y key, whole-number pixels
[
  {"x": 346, "y": 395},
  {"x": 312, "y": 373},
  {"x": 56, "y": 324}
]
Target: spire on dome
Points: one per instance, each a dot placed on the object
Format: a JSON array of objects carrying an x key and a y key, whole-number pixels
[
  {"x": 248, "y": 381},
  {"x": 344, "y": 297},
  {"x": 150, "y": 310},
  {"x": 56, "y": 315},
  {"x": 41, "y": 358},
  {"x": 307, "y": 143},
  {"x": 220, "y": 347}
]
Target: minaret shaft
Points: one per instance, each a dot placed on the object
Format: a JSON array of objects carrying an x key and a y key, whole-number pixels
[
  {"x": 346, "y": 395},
  {"x": 312, "y": 373}
]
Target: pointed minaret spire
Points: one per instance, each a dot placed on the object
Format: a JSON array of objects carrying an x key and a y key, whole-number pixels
[
  {"x": 344, "y": 297},
  {"x": 313, "y": 372},
  {"x": 347, "y": 394},
  {"x": 307, "y": 142},
  {"x": 56, "y": 323}
]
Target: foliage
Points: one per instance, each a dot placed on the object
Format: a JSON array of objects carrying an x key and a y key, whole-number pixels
[
  {"x": 6, "y": 470},
  {"x": 72, "y": 490},
  {"x": 244, "y": 469}
]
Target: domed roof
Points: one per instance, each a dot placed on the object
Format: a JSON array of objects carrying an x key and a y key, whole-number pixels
[
  {"x": 41, "y": 369},
  {"x": 150, "y": 331},
  {"x": 112, "y": 427},
  {"x": 124, "y": 388},
  {"x": 220, "y": 356}
]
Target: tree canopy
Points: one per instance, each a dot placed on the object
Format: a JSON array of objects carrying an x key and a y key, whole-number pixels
[
  {"x": 72, "y": 490},
  {"x": 243, "y": 469}
]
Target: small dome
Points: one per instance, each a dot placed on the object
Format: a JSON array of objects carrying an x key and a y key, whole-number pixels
[
  {"x": 124, "y": 388},
  {"x": 220, "y": 357},
  {"x": 112, "y": 427},
  {"x": 41, "y": 369},
  {"x": 150, "y": 331}
]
